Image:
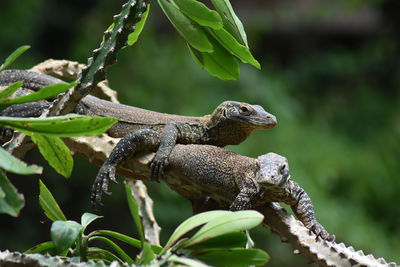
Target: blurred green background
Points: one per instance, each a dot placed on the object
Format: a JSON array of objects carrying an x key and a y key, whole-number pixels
[{"x": 330, "y": 73}]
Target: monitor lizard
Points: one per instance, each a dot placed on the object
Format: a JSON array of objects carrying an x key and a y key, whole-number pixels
[{"x": 144, "y": 130}]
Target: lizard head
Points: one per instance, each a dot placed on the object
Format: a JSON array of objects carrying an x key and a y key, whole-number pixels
[
  {"x": 251, "y": 115},
  {"x": 274, "y": 170}
]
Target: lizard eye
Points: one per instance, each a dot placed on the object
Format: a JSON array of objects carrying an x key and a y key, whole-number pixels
[{"x": 244, "y": 109}]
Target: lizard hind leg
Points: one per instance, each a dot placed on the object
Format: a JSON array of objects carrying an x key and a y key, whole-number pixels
[{"x": 141, "y": 140}]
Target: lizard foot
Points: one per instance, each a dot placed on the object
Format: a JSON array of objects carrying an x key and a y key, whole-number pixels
[
  {"x": 320, "y": 232},
  {"x": 100, "y": 185},
  {"x": 157, "y": 166}
]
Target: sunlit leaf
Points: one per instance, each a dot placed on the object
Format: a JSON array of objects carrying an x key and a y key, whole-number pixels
[
  {"x": 199, "y": 13},
  {"x": 10, "y": 90},
  {"x": 14, "y": 55},
  {"x": 64, "y": 234},
  {"x": 12, "y": 164},
  {"x": 133, "y": 37},
  {"x": 235, "y": 257}
]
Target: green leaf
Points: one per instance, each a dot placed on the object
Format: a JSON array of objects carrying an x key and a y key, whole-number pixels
[
  {"x": 236, "y": 221},
  {"x": 133, "y": 37},
  {"x": 43, "y": 248},
  {"x": 14, "y": 55},
  {"x": 11, "y": 202},
  {"x": 127, "y": 239},
  {"x": 193, "y": 222},
  {"x": 236, "y": 257},
  {"x": 125, "y": 257},
  {"x": 87, "y": 218},
  {"x": 64, "y": 234},
  {"x": 146, "y": 255},
  {"x": 70, "y": 125},
  {"x": 49, "y": 204},
  {"x": 219, "y": 63},
  {"x": 10, "y": 90},
  {"x": 11, "y": 164},
  {"x": 229, "y": 240},
  {"x": 44, "y": 93},
  {"x": 199, "y": 13},
  {"x": 55, "y": 152},
  {"x": 134, "y": 209},
  {"x": 231, "y": 22},
  {"x": 186, "y": 261},
  {"x": 234, "y": 47},
  {"x": 102, "y": 254},
  {"x": 189, "y": 30}
]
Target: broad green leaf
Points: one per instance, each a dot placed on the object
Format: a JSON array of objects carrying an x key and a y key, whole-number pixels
[
  {"x": 189, "y": 30},
  {"x": 10, "y": 90},
  {"x": 44, "y": 93},
  {"x": 199, "y": 13},
  {"x": 146, "y": 255},
  {"x": 11, "y": 201},
  {"x": 134, "y": 209},
  {"x": 186, "y": 261},
  {"x": 236, "y": 257},
  {"x": 231, "y": 22},
  {"x": 43, "y": 248},
  {"x": 125, "y": 257},
  {"x": 11, "y": 164},
  {"x": 70, "y": 125},
  {"x": 219, "y": 63},
  {"x": 234, "y": 47},
  {"x": 127, "y": 239},
  {"x": 193, "y": 222},
  {"x": 64, "y": 233},
  {"x": 14, "y": 55},
  {"x": 236, "y": 221},
  {"x": 55, "y": 152},
  {"x": 49, "y": 204},
  {"x": 88, "y": 218},
  {"x": 102, "y": 254},
  {"x": 229, "y": 240},
  {"x": 133, "y": 37}
]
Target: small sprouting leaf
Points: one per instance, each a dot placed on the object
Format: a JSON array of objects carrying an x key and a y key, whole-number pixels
[
  {"x": 231, "y": 22},
  {"x": 88, "y": 217},
  {"x": 193, "y": 222},
  {"x": 102, "y": 254},
  {"x": 199, "y": 13},
  {"x": 11, "y": 164},
  {"x": 44, "y": 93},
  {"x": 146, "y": 255},
  {"x": 235, "y": 257},
  {"x": 11, "y": 202},
  {"x": 14, "y": 55},
  {"x": 64, "y": 234},
  {"x": 234, "y": 47},
  {"x": 49, "y": 204},
  {"x": 236, "y": 221},
  {"x": 43, "y": 248},
  {"x": 10, "y": 90},
  {"x": 189, "y": 30},
  {"x": 134, "y": 209},
  {"x": 133, "y": 37},
  {"x": 70, "y": 125},
  {"x": 55, "y": 152}
]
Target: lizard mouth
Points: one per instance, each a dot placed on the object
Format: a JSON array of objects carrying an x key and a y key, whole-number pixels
[{"x": 266, "y": 122}]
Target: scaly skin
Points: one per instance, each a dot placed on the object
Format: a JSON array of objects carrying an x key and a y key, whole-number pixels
[{"x": 144, "y": 130}]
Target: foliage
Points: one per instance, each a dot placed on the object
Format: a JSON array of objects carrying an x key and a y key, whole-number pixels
[{"x": 218, "y": 241}]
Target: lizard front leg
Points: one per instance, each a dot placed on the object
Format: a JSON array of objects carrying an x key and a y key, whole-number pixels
[
  {"x": 304, "y": 210},
  {"x": 249, "y": 189},
  {"x": 168, "y": 139},
  {"x": 141, "y": 140}
]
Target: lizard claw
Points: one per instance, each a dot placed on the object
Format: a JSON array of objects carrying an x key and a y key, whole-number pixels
[
  {"x": 157, "y": 166},
  {"x": 320, "y": 232},
  {"x": 100, "y": 185}
]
